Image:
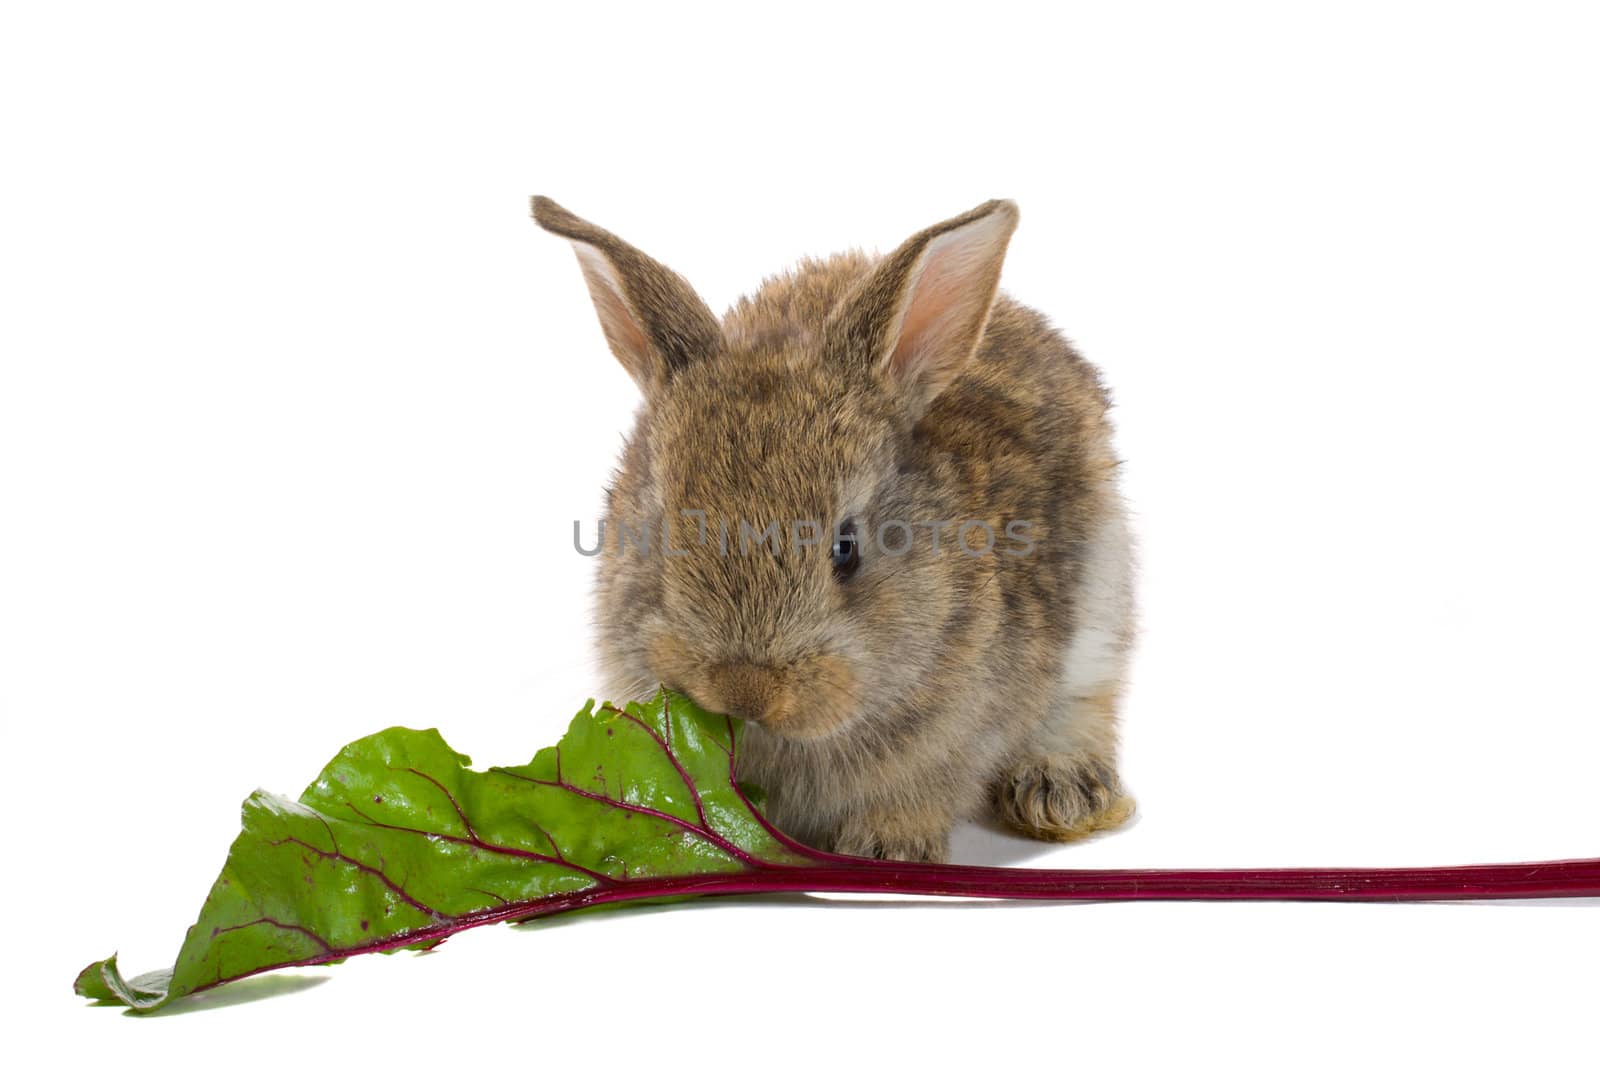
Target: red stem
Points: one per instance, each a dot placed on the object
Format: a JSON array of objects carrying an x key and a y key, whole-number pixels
[
  {"x": 1563, "y": 878},
  {"x": 847, "y": 874}
]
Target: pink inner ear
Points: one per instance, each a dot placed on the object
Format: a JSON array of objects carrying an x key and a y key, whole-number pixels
[
  {"x": 948, "y": 301},
  {"x": 627, "y": 338}
]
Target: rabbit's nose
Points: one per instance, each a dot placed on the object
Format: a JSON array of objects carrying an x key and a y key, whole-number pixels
[{"x": 746, "y": 690}]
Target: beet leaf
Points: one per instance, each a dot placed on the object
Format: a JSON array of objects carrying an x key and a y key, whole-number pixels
[{"x": 399, "y": 844}]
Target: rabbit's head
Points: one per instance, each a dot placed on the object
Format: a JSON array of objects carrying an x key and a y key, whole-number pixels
[{"x": 765, "y": 550}]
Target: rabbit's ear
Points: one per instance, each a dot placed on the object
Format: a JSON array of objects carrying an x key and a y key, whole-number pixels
[
  {"x": 919, "y": 315},
  {"x": 653, "y": 320}
]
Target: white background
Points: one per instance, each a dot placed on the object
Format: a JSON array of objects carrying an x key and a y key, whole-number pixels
[{"x": 298, "y": 407}]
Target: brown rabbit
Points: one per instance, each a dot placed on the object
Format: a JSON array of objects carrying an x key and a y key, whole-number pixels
[{"x": 874, "y": 512}]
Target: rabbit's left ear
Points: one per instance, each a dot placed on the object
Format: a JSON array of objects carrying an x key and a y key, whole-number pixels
[
  {"x": 653, "y": 320},
  {"x": 918, "y": 317}
]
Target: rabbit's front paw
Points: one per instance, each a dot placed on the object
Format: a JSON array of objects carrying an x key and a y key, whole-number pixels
[
  {"x": 1062, "y": 797},
  {"x": 897, "y": 836}
]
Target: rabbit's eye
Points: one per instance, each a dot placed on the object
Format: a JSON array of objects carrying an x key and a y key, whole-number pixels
[{"x": 846, "y": 550}]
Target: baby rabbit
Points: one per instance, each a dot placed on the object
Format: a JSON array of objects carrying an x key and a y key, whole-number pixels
[{"x": 874, "y": 512}]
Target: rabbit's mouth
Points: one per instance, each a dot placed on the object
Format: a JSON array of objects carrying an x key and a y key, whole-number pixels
[{"x": 807, "y": 698}]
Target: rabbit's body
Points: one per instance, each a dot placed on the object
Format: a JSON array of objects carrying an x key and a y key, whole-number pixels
[{"x": 895, "y": 689}]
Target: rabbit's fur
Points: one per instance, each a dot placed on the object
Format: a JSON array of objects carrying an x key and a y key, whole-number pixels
[{"x": 927, "y": 685}]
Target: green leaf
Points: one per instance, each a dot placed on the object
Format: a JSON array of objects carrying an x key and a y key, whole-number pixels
[{"x": 399, "y": 844}]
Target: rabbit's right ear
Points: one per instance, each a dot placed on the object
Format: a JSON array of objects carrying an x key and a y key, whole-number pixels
[
  {"x": 917, "y": 318},
  {"x": 653, "y": 320}
]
